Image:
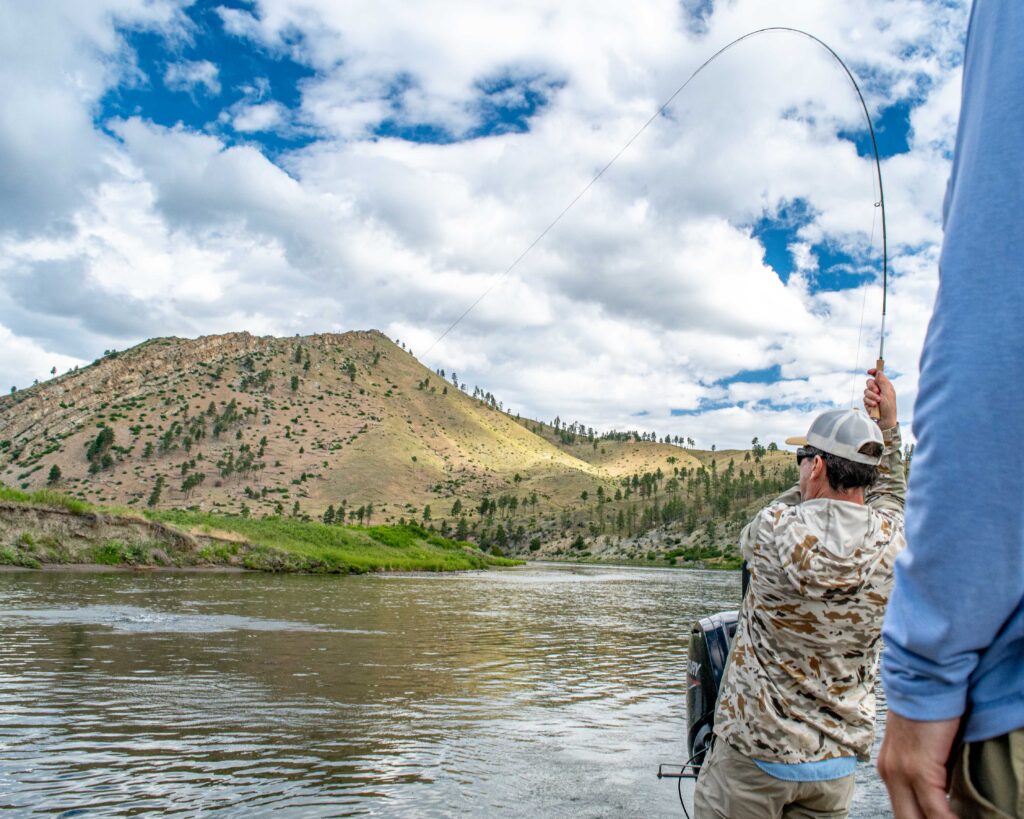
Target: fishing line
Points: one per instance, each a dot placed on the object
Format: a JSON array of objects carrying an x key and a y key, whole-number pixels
[
  {"x": 863, "y": 308},
  {"x": 661, "y": 110}
]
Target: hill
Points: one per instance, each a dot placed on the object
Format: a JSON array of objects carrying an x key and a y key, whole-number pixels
[{"x": 352, "y": 428}]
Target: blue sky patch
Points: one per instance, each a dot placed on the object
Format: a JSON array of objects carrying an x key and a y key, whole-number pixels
[
  {"x": 778, "y": 231},
  {"x": 892, "y": 132},
  {"x": 697, "y": 14},
  {"x": 765, "y": 404},
  {"x": 768, "y": 375},
  {"x": 836, "y": 269},
  {"x": 505, "y": 104},
  {"x": 244, "y": 73},
  {"x": 705, "y": 405}
]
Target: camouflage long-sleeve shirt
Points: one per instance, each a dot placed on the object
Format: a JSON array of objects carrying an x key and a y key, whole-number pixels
[{"x": 800, "y": 677}]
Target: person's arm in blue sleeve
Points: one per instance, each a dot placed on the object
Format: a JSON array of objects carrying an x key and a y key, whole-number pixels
[
  {"x": 963, "y": 571},
  {"x": 962, "y": 575}
]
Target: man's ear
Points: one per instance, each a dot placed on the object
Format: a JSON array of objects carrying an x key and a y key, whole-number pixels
[{"x": 818, "y": 468}]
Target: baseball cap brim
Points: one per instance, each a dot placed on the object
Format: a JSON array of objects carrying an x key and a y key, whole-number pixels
[{"x": 800, "y": 440}]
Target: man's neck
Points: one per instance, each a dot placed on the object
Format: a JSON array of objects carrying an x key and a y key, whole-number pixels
[{"x": 855, "y": 495}]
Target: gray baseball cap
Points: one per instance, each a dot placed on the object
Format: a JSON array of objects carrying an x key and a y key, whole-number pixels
[{"x": 843, "y": 433}]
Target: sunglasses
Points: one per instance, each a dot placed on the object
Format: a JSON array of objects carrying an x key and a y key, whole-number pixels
[{"x": 805, "y": 452}]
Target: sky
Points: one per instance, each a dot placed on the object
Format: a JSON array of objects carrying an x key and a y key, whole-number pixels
[{"x": 175, "y": 168}]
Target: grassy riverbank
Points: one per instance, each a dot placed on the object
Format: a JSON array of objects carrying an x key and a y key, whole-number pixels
[{"x": 46, "y": 527}]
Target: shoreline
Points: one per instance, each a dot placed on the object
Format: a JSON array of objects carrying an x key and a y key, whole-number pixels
[
  {"x": 100, "y": 568},
  {"x": 47, "y": 531}
]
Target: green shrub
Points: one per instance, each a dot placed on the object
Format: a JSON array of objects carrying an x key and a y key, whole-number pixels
[{"x": 108, "y": 553}]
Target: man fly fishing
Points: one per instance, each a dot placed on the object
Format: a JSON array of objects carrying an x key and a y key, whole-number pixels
[{"x": 797, "y": 706}]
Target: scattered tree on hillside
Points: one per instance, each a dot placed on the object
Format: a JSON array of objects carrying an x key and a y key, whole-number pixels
[
  {"x": 54, "y": 475},
  {"x": 756, "y": 449},
  {"x": 98, "y": 450},
  {"x": 255, "y": 381},
  {"x": 154, "y": 496},
  {"x": 191, "y": 482}
]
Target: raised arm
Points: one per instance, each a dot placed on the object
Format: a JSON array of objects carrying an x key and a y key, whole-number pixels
[{"x": 890, "y": 489}]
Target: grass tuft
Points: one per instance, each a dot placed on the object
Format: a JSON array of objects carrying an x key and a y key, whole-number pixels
[{"x": 45, "y": 497}]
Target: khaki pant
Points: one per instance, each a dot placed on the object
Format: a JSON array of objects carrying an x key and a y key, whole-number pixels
[
  {"x": 988, "y": 779},
  {"x": 731, "y": 786}
]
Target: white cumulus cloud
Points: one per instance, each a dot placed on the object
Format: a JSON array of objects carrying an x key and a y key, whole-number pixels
[{"x": 190, "y": 75}]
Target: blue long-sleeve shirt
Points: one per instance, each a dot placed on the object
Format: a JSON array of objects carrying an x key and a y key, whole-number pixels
[{"x": 954, "y": 630}]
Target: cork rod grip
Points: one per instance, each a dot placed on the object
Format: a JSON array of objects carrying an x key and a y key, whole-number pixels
[{"x": 874, "y": 411}]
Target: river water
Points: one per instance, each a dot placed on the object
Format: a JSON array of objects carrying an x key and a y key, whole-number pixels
[{"x": 536, "y": 691}]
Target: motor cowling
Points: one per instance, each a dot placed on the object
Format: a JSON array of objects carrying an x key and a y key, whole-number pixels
[{"x": 710, "y": 639}]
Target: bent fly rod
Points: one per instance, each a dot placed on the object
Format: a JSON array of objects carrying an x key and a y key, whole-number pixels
[{"x": 880, "y": 364}]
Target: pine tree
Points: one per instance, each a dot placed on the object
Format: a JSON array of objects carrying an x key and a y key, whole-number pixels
[
  {"x": 154, "y": 496},
  {"x": 98, "y": 451}
]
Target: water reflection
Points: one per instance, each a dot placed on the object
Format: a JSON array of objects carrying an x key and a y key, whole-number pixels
[{"x": 540, "y": 691}]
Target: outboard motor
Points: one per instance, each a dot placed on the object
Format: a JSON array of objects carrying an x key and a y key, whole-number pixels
[
  {"x": 710, "y": 640},
  {"x": 709, "y": 648}
]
